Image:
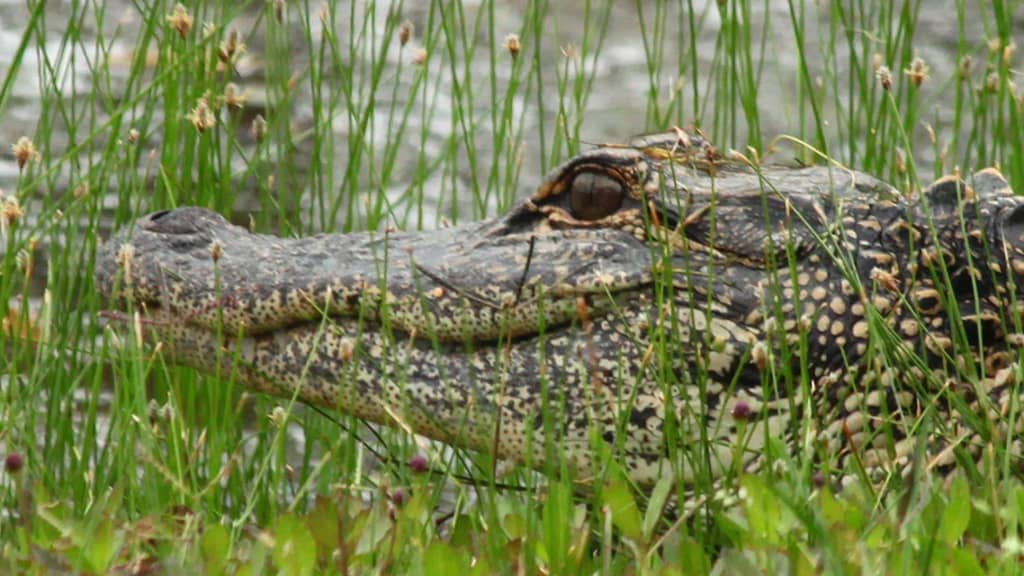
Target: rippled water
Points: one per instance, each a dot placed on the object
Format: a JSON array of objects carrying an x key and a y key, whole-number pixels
[{"x": 615, "y": 110}]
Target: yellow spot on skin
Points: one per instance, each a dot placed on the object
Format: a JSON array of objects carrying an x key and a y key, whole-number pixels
[
  {"x": 909, "y": 327},
  {"x": 823, "y": 323},
  {"x": 819, "y": 293},
  {"x": 881, "y": 303},
  {"x": 838, "y": 328},
  {"x": 938, "y": 344},
  {"x": 803, "y": 278},
  {"x": 860, "y": 329},
  {"x": 838, "y": 306},
  {"x": 855, "y": 421},
  {"x": 821, "y": 274},
  {"x": 720, "y": 362},
  {"x": 1018, "y": 266}
]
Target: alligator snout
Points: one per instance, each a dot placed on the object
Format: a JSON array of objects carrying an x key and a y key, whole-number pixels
[{"x": 465, "y": 283}]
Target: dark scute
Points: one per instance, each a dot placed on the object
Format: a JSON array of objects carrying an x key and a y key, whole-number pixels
[
  {"x": 1013, "y": 227},
  {"x": 1015, "y": 218},
  {"x": 989, "y": 183},
  {"x": 944, "y": 195},
  {"x": 980, "y": 329},
  {"x": 594, "y": 195}
]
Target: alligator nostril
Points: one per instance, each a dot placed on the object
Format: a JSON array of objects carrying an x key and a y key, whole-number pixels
[{"x": 183, "y": 220}]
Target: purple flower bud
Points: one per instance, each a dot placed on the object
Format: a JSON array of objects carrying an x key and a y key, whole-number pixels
[
  {"x": 13, "y": 463},
  {"x": 419, "y": 464},
  {"x": 741, "y": 411},
  {"x": 399, "y": 497}
]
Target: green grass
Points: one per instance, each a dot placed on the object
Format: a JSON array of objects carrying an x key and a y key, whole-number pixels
[{"x": 131, "y": 460}]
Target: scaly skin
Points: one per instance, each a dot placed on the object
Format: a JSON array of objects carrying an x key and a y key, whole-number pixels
[{"x": 643, "y": 287}]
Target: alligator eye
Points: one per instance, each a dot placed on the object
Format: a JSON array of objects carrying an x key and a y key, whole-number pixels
[{"x": 594, "y": 195}]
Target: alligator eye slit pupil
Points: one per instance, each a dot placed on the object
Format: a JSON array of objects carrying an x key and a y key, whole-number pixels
[
  {"x": 594, "y": 196},
  {"x": 158, "y": 215}
]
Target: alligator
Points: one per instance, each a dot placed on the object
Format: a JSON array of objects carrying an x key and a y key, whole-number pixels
[{"x": 657, "y": 304}]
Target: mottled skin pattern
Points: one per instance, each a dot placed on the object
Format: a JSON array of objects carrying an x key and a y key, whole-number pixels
[{"x": 642, "y": 288}]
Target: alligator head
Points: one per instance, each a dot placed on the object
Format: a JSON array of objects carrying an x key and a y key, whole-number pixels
[{"x": 642, "y": 288}]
